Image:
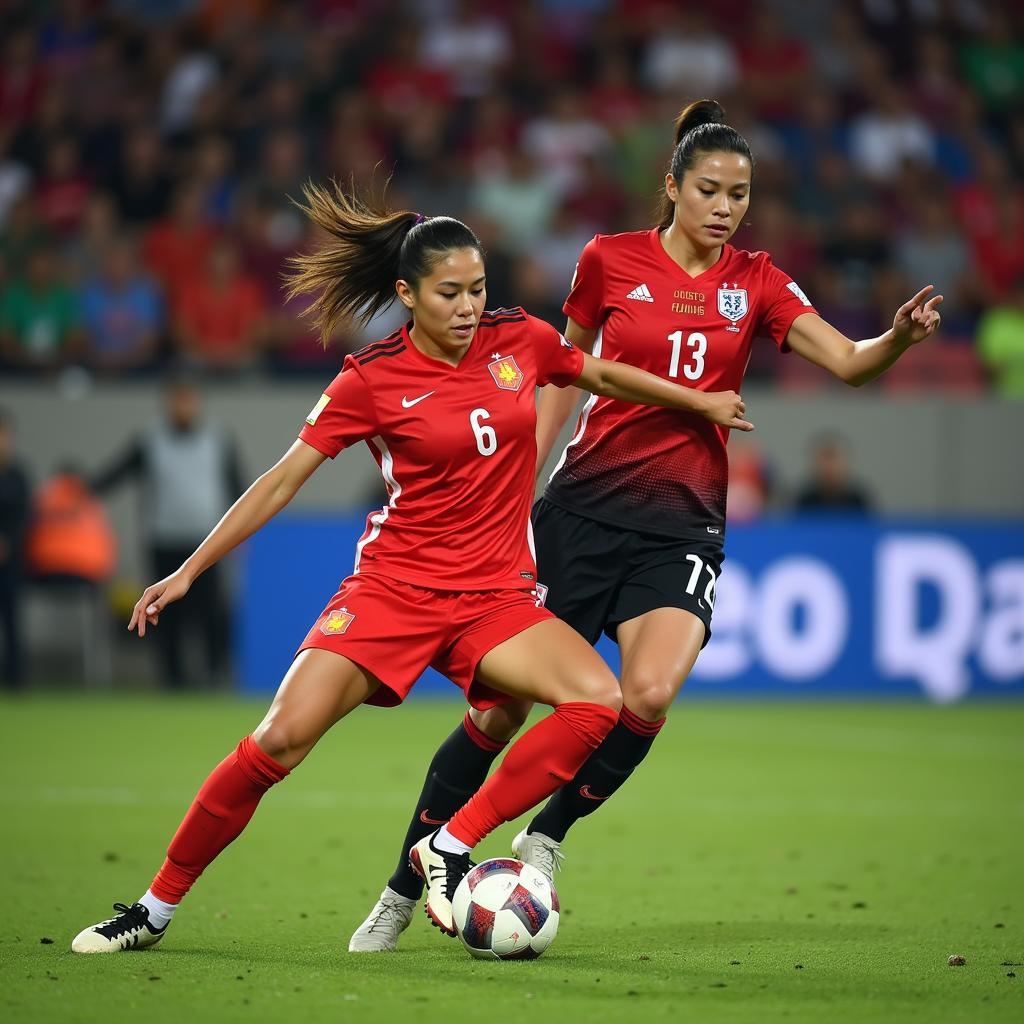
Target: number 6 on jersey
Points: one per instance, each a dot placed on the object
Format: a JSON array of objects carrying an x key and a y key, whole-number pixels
[{"x": 486, "y": 438}]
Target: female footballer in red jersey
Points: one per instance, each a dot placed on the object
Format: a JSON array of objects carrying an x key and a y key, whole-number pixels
[
  {"x": 630, "y": 528},
  {"x": 445, "y": 572}
]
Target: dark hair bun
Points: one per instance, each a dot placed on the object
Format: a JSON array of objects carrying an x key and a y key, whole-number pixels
[{"x": 697, "y": 113}]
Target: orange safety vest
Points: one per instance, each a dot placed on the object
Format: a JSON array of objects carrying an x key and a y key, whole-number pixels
[{"x": 69, "y": 534}]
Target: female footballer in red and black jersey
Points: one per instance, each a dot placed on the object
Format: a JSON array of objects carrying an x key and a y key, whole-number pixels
[
  {"x": 630, "y": 528},
  {"x": 445, "y": 573}
]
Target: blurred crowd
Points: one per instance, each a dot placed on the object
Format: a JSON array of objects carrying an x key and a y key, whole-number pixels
[{"x": 149, "y": 150}]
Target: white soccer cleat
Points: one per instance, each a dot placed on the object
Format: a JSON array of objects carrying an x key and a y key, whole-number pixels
[
  {"x": 539, "y": 851},
  {"x": 390, "y": 917},
  {"x": 130, "y": 929},
  {"x": 442, "y": 873}
]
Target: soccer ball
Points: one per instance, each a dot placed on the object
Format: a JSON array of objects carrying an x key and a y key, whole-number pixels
[{"x": 505, "y": 910}]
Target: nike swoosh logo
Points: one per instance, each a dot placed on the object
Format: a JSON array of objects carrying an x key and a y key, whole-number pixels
[
  {"x": 586, "y": 794},
  {"x": 408, "y": 404},
  {"x": 425, "y": 818}
]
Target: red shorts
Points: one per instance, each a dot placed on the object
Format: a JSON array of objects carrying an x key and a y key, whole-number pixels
[{"x": 395, "y": 630}]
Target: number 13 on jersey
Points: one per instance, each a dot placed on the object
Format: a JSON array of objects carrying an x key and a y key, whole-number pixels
[{"x": 698, "y": 345}]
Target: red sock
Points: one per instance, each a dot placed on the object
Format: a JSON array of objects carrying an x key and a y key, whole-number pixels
[
  {"x": 545, "y": 757},
  {"x": 222, "y": 808}
]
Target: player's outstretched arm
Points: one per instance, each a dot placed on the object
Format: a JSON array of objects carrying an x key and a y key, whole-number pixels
[
  {"x": 631, "y": 384},
  {"x": 264, "y": 499},
  {"x": 857, "y": 362}
]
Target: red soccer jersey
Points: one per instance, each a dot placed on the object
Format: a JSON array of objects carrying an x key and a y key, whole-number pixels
[
  {"x": 653, "y": 469},
  {"x": 456, "y": 447}
]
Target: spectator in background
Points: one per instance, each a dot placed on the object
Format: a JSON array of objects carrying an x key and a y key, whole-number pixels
[
  {"x": 62, "y": 192},
  {"x": 935, "y": 83},
  {"x": 14, "y": 510},
  {"x": 220, "y": 320},
  {"x": 21, "y": 236},
  {"x": 830, "y": 487},
  {"x": 521, "y": 201},
  {"x": 775, "y": 67},
  {"x": 15, "y": 177},
  {"x": 189, "y": 472},
  {"x": 22, "y": 78},
  {"x": 889, "y": 133},
  {"x": 598, "y": 199},
  {"x": 39, "y": 322},
  {"x": 686, "y": 57},
  {"x": 175, "y": 248},
  {"x": 139, "y": 181},
  {"x": 563, "y": 138},
  {"x": 750, "y": 481},
  {"x": 614, "y": 98},
  {"x": 213, "y": 173},
  {"x": 994, "y": 63},
  {"x": 85, "y": 250},
  {"x": 999, "y": 255},
  {"x": 69, "y": 538},
  {"x": 470, "y": 47},
  {"x": 122, "y": 313},
  {"x": 191, "y": 72},
  {"x": 559, "y": 250},
  {"x": 1001, "y": 343},
  {"x": 859, "y": 251},
  {"x": 932, "y": 250},
  {"x": 397, "y": 81}
]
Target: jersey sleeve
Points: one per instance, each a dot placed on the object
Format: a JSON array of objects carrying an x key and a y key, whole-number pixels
[
  {"x": 558, "y": 360},
  {"x": 344, "y": 415},
  {"x": 585, "y": 303},
  {"x": 782, "y": 301}
]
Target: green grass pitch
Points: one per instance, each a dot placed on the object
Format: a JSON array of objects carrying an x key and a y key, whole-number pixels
[{"x": 770, "y": 862}]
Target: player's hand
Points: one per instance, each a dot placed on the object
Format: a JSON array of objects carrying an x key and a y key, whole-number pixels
[
  {"x": 727, "y": 409},
  {"x": 155, "y": 598},
  {"x": 917, "y": 319}
]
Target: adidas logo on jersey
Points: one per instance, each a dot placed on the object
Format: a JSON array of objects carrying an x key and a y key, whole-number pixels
[{"x": 641, "y": 293}]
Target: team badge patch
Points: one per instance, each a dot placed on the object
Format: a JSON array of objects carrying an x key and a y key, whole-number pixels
[
  {"x": 337, "y": 622},
  {"x": 506, "y": 373},
  {"x": 732, "y": 303}
]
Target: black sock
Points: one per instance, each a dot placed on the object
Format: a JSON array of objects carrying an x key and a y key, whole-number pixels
[
  {"x": 456, "y": 773},
  {"x": 602, "y": 774}
]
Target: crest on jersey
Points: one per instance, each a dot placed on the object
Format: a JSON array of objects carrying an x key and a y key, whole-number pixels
[
  {"x": 337, "y": 622},
  {"x": 732, "y": 302},
  {"x": 506, "y": 373}
]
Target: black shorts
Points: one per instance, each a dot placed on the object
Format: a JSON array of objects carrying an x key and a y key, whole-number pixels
[{"x": 598, "y": 575}]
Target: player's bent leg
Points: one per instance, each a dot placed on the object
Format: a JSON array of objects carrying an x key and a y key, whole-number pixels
[
  {"x": 320, "y": 688},
  {"x": 456, "y": 772},
  {"x": 659, "y": 648},
  {"x": 549, "y": 663}
]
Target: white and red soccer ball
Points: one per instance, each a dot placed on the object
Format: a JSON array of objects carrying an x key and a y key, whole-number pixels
[{"x": 505, "y": 910}]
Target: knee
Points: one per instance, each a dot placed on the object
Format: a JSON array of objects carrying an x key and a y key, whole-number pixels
[
  {"x": 602, "y": 688},
  {"x": 503, "y": 722},
  {"x": 648, "y": 696},
  {"x": 281, "y": 740}
]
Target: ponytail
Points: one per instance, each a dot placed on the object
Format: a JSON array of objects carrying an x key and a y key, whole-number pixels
[
  {"x": 700, "y": 128},
  {"x": 352, "y": 274}
]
